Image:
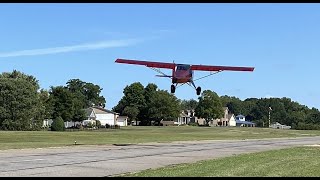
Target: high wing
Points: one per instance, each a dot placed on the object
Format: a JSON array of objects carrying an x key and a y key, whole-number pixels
[
  {"x": 147, "y": 63},
  {"x": 220, "y": 68}
]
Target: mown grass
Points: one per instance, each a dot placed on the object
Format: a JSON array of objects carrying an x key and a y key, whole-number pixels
[
  {"x": 136, "y": 134},
  {"x": 292, "y": 162}
]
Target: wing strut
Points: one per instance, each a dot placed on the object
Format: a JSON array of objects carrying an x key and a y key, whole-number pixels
[
  {"x": 160, "y": 72},
  {"x": 208, "y": 75}
]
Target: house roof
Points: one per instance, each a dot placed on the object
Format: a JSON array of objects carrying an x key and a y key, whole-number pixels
[
  {"x": 241, "y": 116},
  {"x": 88, "y": 111},
  {"x": 244, "y": 122},
  {"x": 229, "y": 116},
  {"x": 123, "y": 116},
  {"x": 98, "y": 110}
]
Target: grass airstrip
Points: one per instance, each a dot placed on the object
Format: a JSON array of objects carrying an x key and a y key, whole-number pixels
[
  {"x": 298, "y": 161},
  {"x": 139, "y": 134}
]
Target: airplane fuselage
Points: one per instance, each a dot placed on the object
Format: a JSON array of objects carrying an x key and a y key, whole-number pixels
[{"x": 182, "y": 74}]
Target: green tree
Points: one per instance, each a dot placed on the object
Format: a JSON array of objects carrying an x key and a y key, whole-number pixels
[
  {"x": 47, "y": 108},
  {"x": 92, "y": 94},
  {"x": 209, "y": 106},
  {"x": 58, "y": 124},
  {"x": 188, "y": 104},
  {"x": 20, "y": 107},
  {"x": 132, "y": 113},
  {"x": 133, "y": 97},
  {"x": 163, "y": 106},
  {"x": 120, "y": 106},
  {"x": 234, "y": 104},
  {"x": 63, "y": 103},
  {"x": 88, "y": 94},
  {"x": 149, "y": 92}
]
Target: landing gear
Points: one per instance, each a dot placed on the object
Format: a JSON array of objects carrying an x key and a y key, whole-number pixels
[
  {"x": 198, "y": 90},
  {"x": 173, "y": 88}
]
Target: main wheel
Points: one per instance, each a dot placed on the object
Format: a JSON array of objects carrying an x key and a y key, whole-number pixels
[
  {"x": 198, "y": 90},
  {"x": 173, "y": 88}
]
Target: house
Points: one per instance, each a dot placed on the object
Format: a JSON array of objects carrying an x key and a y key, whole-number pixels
[
  {"x": 241, "y": 121},
  {"x": 185, "y": 117},
  {"x": 103, "y": 115},
  {"x": 188, "y": 116},
  {"x": 95, "y": 113},
  {"x": 240, "y": 118},
  {"x": 122, "y": 120},
  {"x": 277, "y": 125},
  {"x": 245, "y": 124},
  {"x": 228, "y": 119},
  {"x": 232, "y": 120}
]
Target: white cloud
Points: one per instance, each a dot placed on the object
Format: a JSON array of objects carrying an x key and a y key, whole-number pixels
[{"x": 79, "y": 47}]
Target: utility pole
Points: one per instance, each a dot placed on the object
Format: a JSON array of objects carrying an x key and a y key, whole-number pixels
[{"x": 270, "y": 109}]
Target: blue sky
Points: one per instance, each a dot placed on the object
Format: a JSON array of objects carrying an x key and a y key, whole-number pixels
[{"x": 58, "y": 42}]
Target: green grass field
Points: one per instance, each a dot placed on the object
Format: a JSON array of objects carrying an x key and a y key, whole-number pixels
[
  {"x": 136, "y": 134},
  {"x": 293, "y": 162}
]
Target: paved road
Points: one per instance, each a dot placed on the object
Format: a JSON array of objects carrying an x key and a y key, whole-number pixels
[{"x": 118, "y": 159}]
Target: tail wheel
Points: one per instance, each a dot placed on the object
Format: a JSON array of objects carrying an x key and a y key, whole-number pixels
[
  {"x": 173, "y": 88},
  {"x": 198, "y": 90}
]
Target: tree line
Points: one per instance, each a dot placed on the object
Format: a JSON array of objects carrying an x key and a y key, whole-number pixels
[
  {"x": 148, "y": 104},
  {"x": 24, "y": 106}
]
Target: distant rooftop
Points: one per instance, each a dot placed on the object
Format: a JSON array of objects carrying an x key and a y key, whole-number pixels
[{"x": 244, "y": 122}]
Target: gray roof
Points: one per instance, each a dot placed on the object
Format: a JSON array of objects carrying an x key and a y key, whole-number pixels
[
  {"x": 244, "y": 122},
  {"x": 88, "y": 111},
  {"x": 229, "y": 116},
  {"x": 240, "y": 115},
  {"x": 98, "y": 110}
]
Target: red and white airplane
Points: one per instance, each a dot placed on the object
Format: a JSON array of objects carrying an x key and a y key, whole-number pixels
[{"x": 183, "y": 73}]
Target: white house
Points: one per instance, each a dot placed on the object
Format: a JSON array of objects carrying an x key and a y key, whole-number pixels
[
  {"x": 241, "y": 121},
  {"x": 122, "y": 120},
  {"x": 240, "y": 118},
  {"x": 188, "y": 116},
  {"x": 184, "y": 117},
  {"x": 228, "y": 119},
  {"x": 232, "y": 120},
  {"x": 94, "y": 113},
  {"x": 103, "y": 115}
]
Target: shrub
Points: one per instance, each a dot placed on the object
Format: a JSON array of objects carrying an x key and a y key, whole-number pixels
[
  {"x": 58, "y": 124},
  {"x": 107, "y": 126},
  {"x": 193, "y": 124},
  {"x": 98, "y": 123},
  {"x": 89, "y": 125},
  {"x": 79, "y": 126}
]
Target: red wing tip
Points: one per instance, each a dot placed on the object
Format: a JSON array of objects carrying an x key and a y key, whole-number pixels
[{"x": 119, "y": 60}]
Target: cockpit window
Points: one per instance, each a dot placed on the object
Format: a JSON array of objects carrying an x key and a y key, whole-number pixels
[{"x": 182, "y": 67}]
